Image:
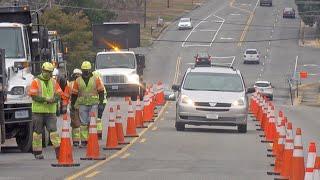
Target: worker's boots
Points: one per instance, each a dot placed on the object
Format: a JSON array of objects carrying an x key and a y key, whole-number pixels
[
  {"x": 76, "y": 143},
  {"x": 38, "y": 155},
  {"x": 99, "y": 136},
  {"x": 57, "y": 150},
  {"x": 83, "y": 144}
]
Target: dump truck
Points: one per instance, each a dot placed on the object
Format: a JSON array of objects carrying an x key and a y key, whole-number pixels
[{"x": 24, "y": 44}]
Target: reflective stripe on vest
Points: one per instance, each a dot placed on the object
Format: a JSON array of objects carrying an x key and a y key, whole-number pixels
[
  {"x": 88, "y": 94},
  {"x": 46, "y": 91}
]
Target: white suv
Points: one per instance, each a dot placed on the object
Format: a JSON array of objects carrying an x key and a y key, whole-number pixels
[
  {"x": 251, "y": 56},
  {"x": 212, "y": 96},
  {"x": 265, "y": 88}
]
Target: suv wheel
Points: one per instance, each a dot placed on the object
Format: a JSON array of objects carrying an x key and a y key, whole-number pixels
[
  {"x": 180, "y": 126},
  {"x": 242, "y": 128}
]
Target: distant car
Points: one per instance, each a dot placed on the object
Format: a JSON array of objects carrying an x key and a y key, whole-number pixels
[
  {"x": 289, "y": 12},
  {"x": 265, "y": 2},
  {"x": 185, "y": 23},
  {"x": 202, "y": 59},
  {"x": 265, "y": 88},
  {"x": 251, "y": 56},
  {"x": 214, "y": 96}
]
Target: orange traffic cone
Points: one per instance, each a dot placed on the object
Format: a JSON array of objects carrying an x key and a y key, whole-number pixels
[
  {"x": 316, "y": 171},
  {"x": 131, "y": 125},
  {"x": 297, "y": 165},
  {"x": 65, "y": 153},
  {"x": 139, "y": 114},
  {"x": 288, "y": 151},
  {"x": 93, "y": 149},
  {"x": 310, "y": 161},
  {"x": 119, "y": 127},
  {"x": 272, "y": 126},
  {"x": 280, "y": 148},
  {"x": 147, "y": 117},
  {"x": 160, "y": 94},
  {"x": 112, "y": 140}
]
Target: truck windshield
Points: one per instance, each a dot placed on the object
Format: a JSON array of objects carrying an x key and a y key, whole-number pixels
[
  {"x": 213, "y": 82},
  {"x": 11, "y": 40},
  {"x": 116, "y": 60}
]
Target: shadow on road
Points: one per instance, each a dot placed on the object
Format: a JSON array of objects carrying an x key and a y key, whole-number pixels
[{"x": 211, "y": 130}]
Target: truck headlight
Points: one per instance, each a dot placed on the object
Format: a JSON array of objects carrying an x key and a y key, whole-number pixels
[
  {"x": 186, "y": 100},
  {"x": 238, "y": 103},
  {"x": 18, "y": 90},
  {"x": 133, "y": 78}
]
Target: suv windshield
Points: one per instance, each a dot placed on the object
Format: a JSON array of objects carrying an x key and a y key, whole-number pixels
[
  {"x": 184, "y": 20},
  {"x": 116, "y": 60},
  {"x": 11, "y": 41},
  {"x": 199, "y": 81}
]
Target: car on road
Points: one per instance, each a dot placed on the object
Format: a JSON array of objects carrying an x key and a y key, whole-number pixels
[
  {"x": 251, "y": 56},
  {"x": 265, "y": 88},
  {"x": 265, "y": 2},
  {"x": 289, "y": 12},
  {"x": 214, "y": 95},
  {"x": 202, "y": 59},
  {"x": 185, "y": 23}
]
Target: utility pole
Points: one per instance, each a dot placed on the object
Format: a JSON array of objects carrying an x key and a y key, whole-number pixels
[
  {"x": 168, "y": 3},
  {"x": 145, "y": 14}
]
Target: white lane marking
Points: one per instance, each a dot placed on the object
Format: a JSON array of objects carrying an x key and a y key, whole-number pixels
[
  {"x": 312, "y": 74},
  {"x": 310, "y": 65},
  {"x": 295, "y": 67},
  {"x": 126, "y": 155},
  {"x": 271, "y": 36},
  {"x": 267, "y": 49},
  {"x": 269, "y": 43},
  {"x": 226, "y": 38},
  {"x": 234, "y": 14},
  {"x": 265, "y": 56},
  {"x": 260, "y": 75},
  {"x": 196, "y": 45},
  {"x": 263, "y": 64},
  {"x": 215, "y": 35},
  {"x": 176, "y": 76},
  {"x": 184, "y": 42},
  {"x": 261, "y": 69}
]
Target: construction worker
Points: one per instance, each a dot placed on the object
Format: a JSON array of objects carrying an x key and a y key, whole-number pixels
[
  {"x": 100, "y": 111},
  {"x": 74, "y": 113},
  {"x": 88, "y": 93},
  {"x": 45, "y": 93}
]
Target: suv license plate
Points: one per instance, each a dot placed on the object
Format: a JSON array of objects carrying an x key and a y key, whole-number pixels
[
  {"x": 114, "y": 87},
  {"x": 21, "y": 114},
  {"x": 212, "y": 116}
]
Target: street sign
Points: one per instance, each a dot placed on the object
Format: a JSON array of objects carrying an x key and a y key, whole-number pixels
[{"x": 303, "y": 74}]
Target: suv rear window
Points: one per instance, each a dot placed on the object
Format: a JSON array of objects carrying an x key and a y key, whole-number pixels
[
  {"x": 251, "y": 52},
  {"x": 202, "y": 81},
  {"x": 262, "y": 84}
]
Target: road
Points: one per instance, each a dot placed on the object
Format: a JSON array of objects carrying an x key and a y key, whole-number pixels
[{"x": 200, "y": 152}]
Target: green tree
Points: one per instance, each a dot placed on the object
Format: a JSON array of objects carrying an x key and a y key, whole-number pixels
[{"x": 75, "y": 31}]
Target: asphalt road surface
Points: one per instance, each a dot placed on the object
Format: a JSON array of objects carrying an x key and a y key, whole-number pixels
[{"x": 199, "y": 152}]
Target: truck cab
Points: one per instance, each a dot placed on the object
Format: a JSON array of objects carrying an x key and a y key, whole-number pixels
[{"x": 121, "y": 73}]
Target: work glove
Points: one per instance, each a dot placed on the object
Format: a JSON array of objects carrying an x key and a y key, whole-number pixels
[{"x": 50, "y": 100}]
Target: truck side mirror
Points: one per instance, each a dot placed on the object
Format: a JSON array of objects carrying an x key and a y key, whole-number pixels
[
  {"x": 175, "y": 87},
  {"x": 141, "y": 62}
]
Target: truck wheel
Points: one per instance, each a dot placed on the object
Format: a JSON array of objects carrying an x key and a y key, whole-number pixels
[
  {"x": 180, "y": 126},
  {"x": 24, "y": 137},
  {"x": 242, "y": 128}
]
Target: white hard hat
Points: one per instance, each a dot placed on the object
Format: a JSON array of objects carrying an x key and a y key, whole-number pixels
[
  {"x": 55, "y": 72},
  {"x": 77, "y": 71}
]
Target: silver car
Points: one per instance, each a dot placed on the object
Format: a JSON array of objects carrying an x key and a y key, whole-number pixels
[
  {"x": 251, "y": 56},
  {"x": 212, "y": 96}
]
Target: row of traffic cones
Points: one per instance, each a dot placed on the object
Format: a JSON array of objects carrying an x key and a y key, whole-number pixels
[
  {"x": 115, "y": 136},
  {"x": 287, "y": 149}
]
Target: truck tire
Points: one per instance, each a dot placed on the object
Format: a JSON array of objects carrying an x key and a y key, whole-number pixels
[
  {"x": 242, "y": 128},
  {"x": 24, "y": 137}
]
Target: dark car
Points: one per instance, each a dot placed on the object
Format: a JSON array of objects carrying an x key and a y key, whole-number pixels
[
  {"x": 202, "y": 59},
  {"x": 265, "y": 2},
  {"x": 289, "y": 13}
]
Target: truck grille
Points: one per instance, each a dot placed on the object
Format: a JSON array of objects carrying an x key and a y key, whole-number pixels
[
  {"x": 206, "y": 104},
  {"x": 114, "y": 79}
]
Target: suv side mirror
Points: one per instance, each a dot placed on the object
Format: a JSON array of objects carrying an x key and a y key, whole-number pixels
[
  {"x": 251, "y": 90},
  {"x": 176, "y": 87},
  {"x": 141, "y": 63}
]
